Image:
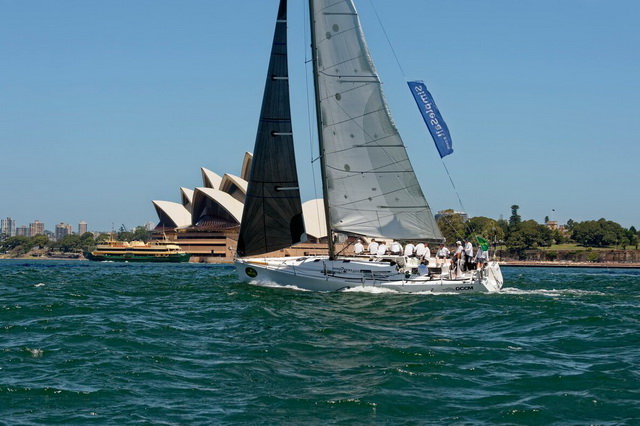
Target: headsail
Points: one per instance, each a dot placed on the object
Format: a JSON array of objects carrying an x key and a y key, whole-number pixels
[
  {"x": 370, "y": 183},
  {"x": 272, "y": 216}
]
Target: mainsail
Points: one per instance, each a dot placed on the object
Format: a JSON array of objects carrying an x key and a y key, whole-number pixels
[
  {"x": 370, "y": 185},
  {"x": 272, "y": 216}
]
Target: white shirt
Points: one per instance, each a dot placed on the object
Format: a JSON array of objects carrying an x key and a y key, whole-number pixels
[
  {"x": 459, "y": 249},
  {"x": 358, "y": 248},
  {"x": 382, "y": 249},
  {"x": 408, "y": 249},
  {"x": 396, "y": 247},
  {"x": 468, "y": 249},
  {"x": 427, "y": 253},
  {"x": 443, "y": 251},
  {"x": 420, "y": 249},
  {"x": 373, "y": 248}
]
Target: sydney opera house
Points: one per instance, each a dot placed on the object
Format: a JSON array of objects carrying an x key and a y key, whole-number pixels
[{"x": 206, "y": 222}]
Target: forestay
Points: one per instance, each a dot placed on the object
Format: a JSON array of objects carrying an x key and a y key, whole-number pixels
[{"x": 371, "y": 186}]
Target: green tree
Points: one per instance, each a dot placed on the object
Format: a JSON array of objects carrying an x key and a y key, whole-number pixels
[
  {"x": 558, "y": 237},
  {"x": 528, "y": 235},
  {"x": 69, "y": 244},
  {"x": 599, "y": 233},
  {"x": 17, "y": 245},
  {"x": 515, "y": 218},
  {"x": 452, "y": 227},
  {"x": 40, "y": 241},
  {"x": 630, "y": 238},
  {"x": 485, "y": 227},
  {"x": 636, "y": 236},
  {"x": 87, "y": 242},
  {"x": 124, "y": 236},
  {"x": 141, "y": 234},
  {"x": 102, "y": 238}
]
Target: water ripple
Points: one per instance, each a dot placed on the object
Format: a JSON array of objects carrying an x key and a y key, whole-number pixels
[{"x": 117, "y": 343}]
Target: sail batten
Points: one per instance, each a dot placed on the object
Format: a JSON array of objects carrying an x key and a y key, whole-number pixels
[
  {"x": 272, "y": 216},
  {"x": 371, "y": 187}
]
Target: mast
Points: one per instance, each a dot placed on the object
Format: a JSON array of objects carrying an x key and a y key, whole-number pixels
[{"x": 325, "y": 188}]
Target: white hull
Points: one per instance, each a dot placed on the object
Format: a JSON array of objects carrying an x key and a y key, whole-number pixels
[{"x": 322, "y": 274}]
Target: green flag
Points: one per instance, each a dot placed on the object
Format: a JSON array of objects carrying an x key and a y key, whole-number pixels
[{"x": 484, "y": 244}]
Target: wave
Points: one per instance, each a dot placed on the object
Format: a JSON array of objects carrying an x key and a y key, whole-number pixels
[{"x": 551, "y": 292}]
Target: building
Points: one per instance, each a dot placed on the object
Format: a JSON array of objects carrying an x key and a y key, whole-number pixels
[
  {"x": 22, "y": 231},
  {"x": 62, "y": 230},
  {"x": 206, "y": 222},
  {"x": 8, "y": 227},
  {"x": 36, "y": 228},
  {"x": 451, "y": 212},
  {"x": 82, "y": 228}
]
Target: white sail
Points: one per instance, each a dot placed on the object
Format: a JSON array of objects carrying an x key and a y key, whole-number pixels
[{"x": 371, "y": 186}]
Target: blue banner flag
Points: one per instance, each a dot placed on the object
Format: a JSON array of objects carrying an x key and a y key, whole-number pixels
[{"x": 437, "y": 127}]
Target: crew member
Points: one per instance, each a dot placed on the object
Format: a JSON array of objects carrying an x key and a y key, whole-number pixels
[
  {"x": 358, "y": 248},
  {"x": 396, "y": 248},
  {"x": 382, "y": 249},
  {"x": 373, "y": 247},
  {"x": 442, "y": 254},
  {"x": 409, "y": 250},
  {"x": 468, "y": 254}
]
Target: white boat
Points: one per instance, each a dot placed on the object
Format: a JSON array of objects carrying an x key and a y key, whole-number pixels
[{"x": 369, "y": 186}]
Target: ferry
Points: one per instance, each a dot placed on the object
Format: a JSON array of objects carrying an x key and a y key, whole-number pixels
[{"x": 138, "y": 251}]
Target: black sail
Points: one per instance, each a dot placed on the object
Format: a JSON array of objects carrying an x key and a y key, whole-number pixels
[{"x": 272, "y": 216}]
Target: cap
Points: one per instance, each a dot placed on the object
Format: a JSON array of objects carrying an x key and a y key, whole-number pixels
[{"x": 458, "y": 242}]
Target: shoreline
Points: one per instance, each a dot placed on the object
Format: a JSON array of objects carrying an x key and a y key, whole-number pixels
[
  {"x": 547, "y": 264},
  {"x": 503, "y": 263}
]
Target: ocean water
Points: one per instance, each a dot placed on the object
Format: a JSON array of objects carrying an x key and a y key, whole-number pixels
[{"x": 110, "y": 343}]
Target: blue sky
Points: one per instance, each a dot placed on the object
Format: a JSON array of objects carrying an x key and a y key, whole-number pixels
[{"x": 105, "y": 106}]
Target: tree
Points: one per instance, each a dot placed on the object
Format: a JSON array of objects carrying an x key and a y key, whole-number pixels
[
  {"x": 70, "y": 243},
  {"x": 558, "y": 237},
  {"x": 102, "y": 238},
  {"x": 599, "y": 233},
  {"x": 528, "y": 235},
  {"x": 17, "y": 245},
  {"x": 41, "y": 241},
  {"x": 141, "y": 234},
  {"x": 485, "y": 227},
  {"x": 515, "y": 218},
  {"x": 546, "y": 219},
  {"x": 452, "y": 227},
  {"x": 630, "y": 238}
]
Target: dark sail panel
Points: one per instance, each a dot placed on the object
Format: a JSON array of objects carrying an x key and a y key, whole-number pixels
[{"x": 272, "y": 216}]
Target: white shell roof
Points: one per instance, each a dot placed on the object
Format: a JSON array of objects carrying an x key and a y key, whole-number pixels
[
  {"x": 224, "y": 200},
  {"x": 210, "y": 179},
  {"x": 315, "y": 223},
  {"x": 246, "y": 165},
  {"x": 176, "y": 212},
  {"x": 186, "y": 195},
  {"x": 228, "y": 180}
]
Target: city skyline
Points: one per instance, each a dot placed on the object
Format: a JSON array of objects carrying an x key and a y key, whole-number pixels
[{"x": 115, "y": 104}]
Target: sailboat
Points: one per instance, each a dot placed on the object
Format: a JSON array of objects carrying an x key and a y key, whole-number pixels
[{"x": 369, "y": 186}]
